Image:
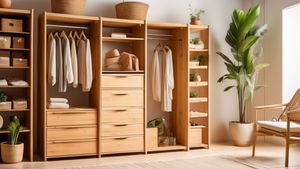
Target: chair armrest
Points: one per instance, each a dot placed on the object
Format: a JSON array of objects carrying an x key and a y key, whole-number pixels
[
  {"x": 274, "y": 106},
  {"x": 292, "y": 111}
]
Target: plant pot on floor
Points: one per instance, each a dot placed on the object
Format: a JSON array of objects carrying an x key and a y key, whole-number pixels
[
  {"x": 12, "y": 153},
  {"x": 241, "y": 133},
  {"x": 195, "y": 21}
]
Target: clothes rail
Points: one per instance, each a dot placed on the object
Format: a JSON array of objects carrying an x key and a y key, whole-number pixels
[{"x": 68, "y": 26}]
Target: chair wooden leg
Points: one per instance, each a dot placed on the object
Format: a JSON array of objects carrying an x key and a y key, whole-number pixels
[
  {"x": 287, "y": 148},
  {"x": 254, "y": 141}
]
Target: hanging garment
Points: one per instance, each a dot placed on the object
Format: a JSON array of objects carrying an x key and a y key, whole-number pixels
[
  {"x": 156, "y": 76},
  {"x": 89, "y": 66},
  {"x": 81, "y": 47},
  {"x": 59, "y": 63},
  {"x": 51, "y": 52},
  {"x": 68, "y": 72},
  {"x": 168, "y": 80},
  {"x": 74, "y": 61}
]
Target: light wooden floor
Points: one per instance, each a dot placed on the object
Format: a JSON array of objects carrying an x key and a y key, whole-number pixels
[{"x": 267, "y": 154}]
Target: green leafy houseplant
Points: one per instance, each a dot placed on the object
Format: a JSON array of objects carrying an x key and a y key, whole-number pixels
[
  {"x": 14, "y": 129},
  {"x": 3, "y": 97},
  {"x": 243, "y": 38},
  {"x": 195, "y": 13}
]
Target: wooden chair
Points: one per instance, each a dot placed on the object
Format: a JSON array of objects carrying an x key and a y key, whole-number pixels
[{"x": 287, "y": 125}]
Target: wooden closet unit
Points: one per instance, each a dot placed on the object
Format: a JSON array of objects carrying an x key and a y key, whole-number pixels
[
  {"x": 178, "y": 119},
  {"x": 73, "y": 131},
  {"x": 24, "y": 72},
  {"x": 198, "y": 134},
  {"x": 123, "y": 93}
]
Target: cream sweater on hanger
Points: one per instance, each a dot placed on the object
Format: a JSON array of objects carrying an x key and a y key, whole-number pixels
[
  {"x": 51, "y": 52},
  {"x": 59, "y": 63},
  {"x": 74, "y": 61},
  {"x": 68, "y": 72}
]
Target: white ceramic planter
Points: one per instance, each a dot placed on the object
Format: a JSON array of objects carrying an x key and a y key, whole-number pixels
[
  {"x": 241, "y": 134},
  {"x": 12, "y": 153}
]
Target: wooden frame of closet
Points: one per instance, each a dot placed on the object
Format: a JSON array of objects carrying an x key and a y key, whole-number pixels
[
  {"x": 94, "y": 95},
  {"x": 26, "y": 71}
]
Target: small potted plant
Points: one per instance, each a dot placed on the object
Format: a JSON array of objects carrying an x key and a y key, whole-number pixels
[
  {"x": 12, "y": 150},
  {"x": 196, "y": 44},
  {"x": 4, "y": 104},
  {"x": 195, "y": 15}
]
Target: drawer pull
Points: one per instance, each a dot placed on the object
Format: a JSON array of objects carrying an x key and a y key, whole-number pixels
[
  {"x": 68, "y": 113},
  {"x": 121, "y": 138},
  {"x": 119, "y": 125},
  {"x": 120, "y": 76},
  {"x": 120, "y": 93},
  {"x": 117, "y": 110}
]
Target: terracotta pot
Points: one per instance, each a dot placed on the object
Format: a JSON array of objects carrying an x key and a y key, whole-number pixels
[
  {"x": 12, "y": 153},
  {"x": 195, "y": 21},
  {"x": 241, "y": 134},
  {"x": 5, "y": 3}
]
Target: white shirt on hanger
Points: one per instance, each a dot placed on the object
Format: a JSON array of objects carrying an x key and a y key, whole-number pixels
[
  {"x": 89, "y": 66},
  {"x": 51, "y": 52},
  {"x": 68, "y": 72},
  {"x": 168, "y": 80},
  {"x": 59, "y": 63},
  {"x": 156, "y": 76},
  {"x": 74, "y": 61}
]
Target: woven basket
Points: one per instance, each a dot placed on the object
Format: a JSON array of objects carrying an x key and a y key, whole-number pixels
[
  {"x": 132, "y": 10},
  {"x": 74, "y": 7}
]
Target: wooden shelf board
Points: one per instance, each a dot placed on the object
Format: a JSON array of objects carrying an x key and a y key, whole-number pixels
[
  {"x": 198, "y": 115},
  {"x": 25, "y": 130},
  {"x": 17, "y": 49},
  {"x": 13, "y": 32},
  {"x": 14, "y": 86},
  {"x": 200, "y": 145},
  {"x": 196, "y": 84},
  {"x": 122, "y": 72},
  {"x": 14, "y": 110},
  {"x": 198, "y": 50},
  {"x": 14, "y": 12},
  {"x": 196, "y": 28},
  {"x": 164, "y": 25},
  {"x": 67, "y": 18},
  {"x": 125, "y": 23},
  {"x": 198, "y": 67},
  {"x": 167, "y": 148},
  {"x": 14, "y": 67},
  {"x": 197, "y": 127},
  {"x": 111, "y": 39},
  {"x": 198, "y": 99},
  {"x": 74, "y": 109}
]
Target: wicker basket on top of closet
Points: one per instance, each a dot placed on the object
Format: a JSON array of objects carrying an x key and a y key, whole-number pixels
[
  {"x": 175, "y": 36},
  {"x": 72, "y": 131},
  {"x": 123, "y": 92},
  {"x": 198, "y": 134},
  {"x": 18, "y": 25}
]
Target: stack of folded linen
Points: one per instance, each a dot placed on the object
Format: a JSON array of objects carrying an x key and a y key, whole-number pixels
[{"x": 58, "y": 103}]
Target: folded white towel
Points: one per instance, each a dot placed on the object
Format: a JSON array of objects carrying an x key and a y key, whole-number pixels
[
  {"x": 58, "y": 100},
  {"x": 3, "y": 82},
  {"x": 58, "y": 106},
  {"x": 16, "y": 82}
]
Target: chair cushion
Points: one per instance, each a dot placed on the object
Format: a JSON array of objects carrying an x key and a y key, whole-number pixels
[{"x": 279, "y": 126}]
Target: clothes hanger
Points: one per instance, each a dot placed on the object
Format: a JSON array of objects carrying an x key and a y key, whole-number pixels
[
  {"x": 82, "y": 35},
  {"x": 70, "y": 35},
  {"x": 159, "y": 45},
  {"x": 76, "y": 35}
]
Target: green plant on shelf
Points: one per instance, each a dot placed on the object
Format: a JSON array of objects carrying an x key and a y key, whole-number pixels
[
  {"x": 195, "y": 41},
  {"x": 193, "y": 77},
  {"x": 202, "y": 59},
  {"x": 14, "y": 129},
  {"x": 3, "y": 97},
  {"x": 193, "y": 94}
]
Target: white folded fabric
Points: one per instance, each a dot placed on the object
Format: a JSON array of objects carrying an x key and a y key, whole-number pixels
[
  {"x": 3, "y": 82},
  {"x": 58, "y": 100},
  {"x": 16, "y": 82},
  {"x": 58, "y": 106}
]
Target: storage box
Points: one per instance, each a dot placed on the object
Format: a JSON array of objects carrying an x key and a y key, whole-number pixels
[
  {"x": 4, "y": 61},
  {"x": 195, "y": 137},
  {"x": 152, "y": 138},
  {"x": 4, "y": 53},
  {"x": 194, "y": 63},
  {"x": 19, "y": 104},
  {"x": 12, "y": 25},
  {"x": 18, "y": 55},
  {"x": 18, "y": 42},
  {"x": 19, "y": 62},
  {"x": 5, "y": 105},
  {"x": 5, "y": 41}
]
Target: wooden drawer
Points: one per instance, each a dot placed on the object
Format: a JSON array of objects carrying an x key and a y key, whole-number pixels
[
  {"x": 122, "y": 98},
  {"x": 121, "y": 129},
  {"x": 122, "y": 115},
  {"x": 122, "y": 80},
  {"x": 195, "y": 137},
  {"x": 71, "y": 133},
  {"x": 69, "y": 118},
  {"x": 61, "y": 148},
  {"x": 122, "y": 144}
]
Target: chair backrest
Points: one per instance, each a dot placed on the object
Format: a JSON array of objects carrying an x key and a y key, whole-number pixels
[{"x": 293, "y": 108}]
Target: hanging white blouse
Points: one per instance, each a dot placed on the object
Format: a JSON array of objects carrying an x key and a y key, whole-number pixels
[
  {"x": 59, "y": 63},
  {"x": 89, "y": 67},
  {"x": 168, "y": 81},
  {"x": 74, "y": 61},
  {"x": 156, "y": 76},
  {"x": 51, "y": 52},
  {"x": 68, "y": 72}
]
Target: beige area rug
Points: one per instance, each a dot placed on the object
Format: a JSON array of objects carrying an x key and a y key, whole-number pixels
[{"x": 207, "y": 162}]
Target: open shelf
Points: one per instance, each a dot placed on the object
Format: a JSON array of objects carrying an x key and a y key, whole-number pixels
[
  {"x": 198, "y": 50},
  {"x": 196, "y": 28},
  {"x": 198, "y": 99},
  {"x": 13, "y": 32},
  {"x": 128, "y": 40},
  {"x": 196, "y": 84},
  {"x": 198, "y": 114},
  {"x": 197, "y": 127},
  {"x": 167, "y": 148},
  {"x": 14, "y": 67},
  {"x": 17, "y": 49},
  {"x": 74, "y": 109},
  {"x": 198, "y": 67},
  {"x": 123, "y": 23},
  {"x": 25, "y": 130},
  {"x": 14, "y": 110},
  {"x": 14, "y": 86},
  {"x": 200, "y": 145}
]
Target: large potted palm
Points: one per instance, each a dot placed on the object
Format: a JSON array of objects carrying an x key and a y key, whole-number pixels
[{"x": 243, "y": 37}]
